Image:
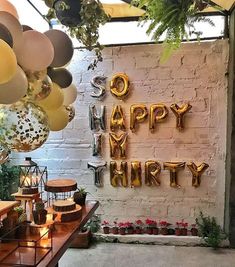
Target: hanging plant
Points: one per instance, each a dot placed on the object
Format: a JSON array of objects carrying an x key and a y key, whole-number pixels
[
  {"x": 83, "y": 19},
  {"x": 174, "y": 18}
]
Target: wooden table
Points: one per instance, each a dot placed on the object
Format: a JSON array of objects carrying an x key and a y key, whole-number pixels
[
  {"x": 28, "y": 198},
  {"x": 64, "y": 234},
  {"x": 6, "y": 206}
]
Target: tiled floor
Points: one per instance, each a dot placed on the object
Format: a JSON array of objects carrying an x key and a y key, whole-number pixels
[{"x": 136, "y": 255}]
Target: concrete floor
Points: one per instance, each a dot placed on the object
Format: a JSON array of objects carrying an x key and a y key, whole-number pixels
[{"x": 132, "y": 255}]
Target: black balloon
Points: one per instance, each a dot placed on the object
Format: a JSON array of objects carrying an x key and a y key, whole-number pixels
[
  {"x": 60, "y": 76},
  {"x": 5, "y": 35},
  {"x": 26, "y": 28}
]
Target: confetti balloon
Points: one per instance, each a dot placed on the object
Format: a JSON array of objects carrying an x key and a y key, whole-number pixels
[
  {"x": 40, "y": 89},
  {"x": 24, "y": 126}
]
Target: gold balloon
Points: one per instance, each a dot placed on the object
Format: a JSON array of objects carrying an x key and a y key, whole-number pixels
[
  {"x": 179, "y": 113},
  {"x": 117, "y": 119},
  {"x": 118, "y": 176},
  {"x": 54, "y": 100},
  {"x": 8, "y": 63},
  {"x": 152, "y": 172},
  {"x": 119, "y": 85},
  {"x": 118, "y": 145},
  {"x": 197, "y": 172},
  {"x": 71, "y": 112},
  {"x": 139, "y": 113},
  {"x": 58, "y": 119},
  {"x": 40, "y": 89},
  {"x": 173, "y": 167},
  {"x": 136, "y": 179},
  {"x": 158, "y": 112},
  {"x": 33, "y": 76}
]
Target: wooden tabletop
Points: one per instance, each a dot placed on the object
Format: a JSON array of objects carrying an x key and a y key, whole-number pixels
[
  {"x": 64, "y": 234},
  {"x": 61, "y": 185},
  {"x": 6, "y": 206},
  {"x": 29, "y": 196}
]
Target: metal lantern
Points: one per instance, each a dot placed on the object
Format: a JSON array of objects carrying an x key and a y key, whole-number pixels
[{"x": 32, "y": 177}]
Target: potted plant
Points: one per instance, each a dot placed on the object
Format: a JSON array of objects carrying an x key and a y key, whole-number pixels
[
  {"x": 115, "y": 228},
  {"x": 39, "y": 213},
  {"x": 184, "y": 230},
  {"x": 83, "y": 19},
  {"x": 79, "y": 196},
  {"x": 9, "y": 179},
  {"x": 163, "y": 227},
  {"x": 194, "y": 230},
  {"x": 122, "y": 228},
  {"x": 210, "y": 231},
  {"x": 150, "y": 226},
  {"x": 105, "y": 226},
  {"x": 139, "y": 227},
  {"x": 129, "y": 228},
  {"x": 178, "y": 228},
  {"x": 174, "y": 18}
]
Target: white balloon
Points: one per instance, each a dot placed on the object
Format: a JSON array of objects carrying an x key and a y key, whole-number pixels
[
  {"x": 15, "y": 89},
  {"x": 70, "y": 94}
]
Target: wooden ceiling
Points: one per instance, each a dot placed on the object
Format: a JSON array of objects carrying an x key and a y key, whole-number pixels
[{"x": 122, "y": 9}]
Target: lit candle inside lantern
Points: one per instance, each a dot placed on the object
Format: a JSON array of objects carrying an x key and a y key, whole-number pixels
[
  {"x": 70, "y": 198},
  {"x": 44, "y": 234},
  {"x": 25, "y": 181},
  {"x": 49, "y": 217}
]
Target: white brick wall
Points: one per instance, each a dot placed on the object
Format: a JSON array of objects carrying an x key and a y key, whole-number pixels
[{"x": 196, "y": 73}]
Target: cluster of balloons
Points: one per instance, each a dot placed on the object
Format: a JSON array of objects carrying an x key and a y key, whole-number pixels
[{"x": 36, "y": 90}]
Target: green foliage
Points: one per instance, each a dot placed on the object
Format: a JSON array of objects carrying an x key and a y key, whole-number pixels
[
  {"x": 210, "y": 231},
  {"x": 39, "y": 206},
  {"x": 172, "y": 18},
  {"x": 9, "y": 179},
  {"x": 22, "y": 218},
  {"x": 82, "y": 191},
  {"x": 93, "y": 224},
  {"x": 87, "y": 31}
]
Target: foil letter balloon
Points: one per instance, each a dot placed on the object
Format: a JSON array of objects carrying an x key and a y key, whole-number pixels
[
  {"x": 173, "y": 167},
  {"x": 97, "y": 144},
  {"x": 152, "y": 172},
  {"x": 136, "y": 180},
  {"x": 139, "y": 113},
  {"x": 118, "y": 145},
  {"x": 97, "y": 168},
  {"x": 179, "y": 113},
  {"x": 118, "y": 176},
  {"x": 99, "y": 83},
  {"x": 97, "y": 121},
  {"x": 119, "y": 85},
  {"x": 158, "y": 112},
  {"x": 197, "y": 172},
  {"x": 117, "y": 119}
]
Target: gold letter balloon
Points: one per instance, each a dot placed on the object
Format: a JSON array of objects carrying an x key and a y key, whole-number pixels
[
  {"x": 152, "y": 172},
  {"x": 117, "y": 119},
  {"x": 197, "y": 172},
  {"x": 118, "y": 176},
  {"x": 173, "y": 167},
  {"x": 179, "y": 113},
  {"x": 24, "y": 126},
  {"x": 139, "y": 113},
  {"x": 119, "y": 85}
]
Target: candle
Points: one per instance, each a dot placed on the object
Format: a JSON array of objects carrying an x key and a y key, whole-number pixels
[{"x": 49, "y": 217}]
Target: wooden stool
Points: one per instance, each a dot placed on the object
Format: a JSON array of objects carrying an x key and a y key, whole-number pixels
[{"x": 24, "y": 199}]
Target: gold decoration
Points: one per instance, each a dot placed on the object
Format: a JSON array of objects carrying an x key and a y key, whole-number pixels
[
  {"x": 117, "y": 119},
  {"x": 179, "y": 113},
  {"x": 119, "y": 85},
  {"x": 152, "y": 172},
  {"x": 118, "y": 176},
  {"x": 158, "y": 112},
  {"x": 173, "y": 167},
  {"x": 136, "y": 180},
  {"x": 139, "y": 113},
  {"x": 197, "y": 172},
  {"x": 71, "y": 112},
  {"x": 118, "y": 145}
]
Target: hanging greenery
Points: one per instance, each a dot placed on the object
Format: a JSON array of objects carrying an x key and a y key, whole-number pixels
[
  {"x": 174, "y": 18},
  {"x": 82, "y": 19}
]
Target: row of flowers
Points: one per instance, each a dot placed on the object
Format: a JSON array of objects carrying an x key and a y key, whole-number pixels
[{"x": 150, "y": 227}]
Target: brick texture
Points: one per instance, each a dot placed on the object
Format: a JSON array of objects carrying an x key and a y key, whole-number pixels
[{"x": 194, "y": 74}]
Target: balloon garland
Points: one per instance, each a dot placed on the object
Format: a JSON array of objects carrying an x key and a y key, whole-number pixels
[{"x": 36, "y": 90}]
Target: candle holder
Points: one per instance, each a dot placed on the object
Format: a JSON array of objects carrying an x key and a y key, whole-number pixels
[{"x": 32, "y": 177}]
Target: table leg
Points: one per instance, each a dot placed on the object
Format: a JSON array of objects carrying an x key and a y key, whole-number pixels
[{"x": 30, "y": 202}]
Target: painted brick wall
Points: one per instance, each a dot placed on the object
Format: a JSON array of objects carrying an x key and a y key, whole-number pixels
[{"x": 195, "y": 74}]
